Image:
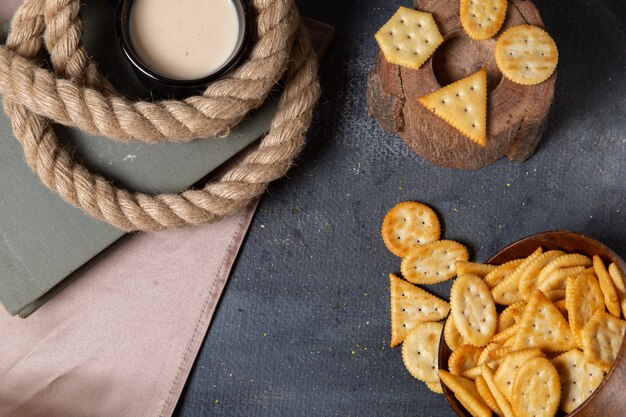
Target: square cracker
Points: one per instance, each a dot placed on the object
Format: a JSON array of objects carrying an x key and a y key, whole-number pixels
[
  {"x": 463, "y": 105},
  {"x": 409, "y": 38},
  {"x": 602, "y": 339},
  {"x": 579, "y": 378}
]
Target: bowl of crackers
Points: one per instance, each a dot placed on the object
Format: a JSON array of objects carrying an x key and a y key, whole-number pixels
[{"x": 537, "y": 331}]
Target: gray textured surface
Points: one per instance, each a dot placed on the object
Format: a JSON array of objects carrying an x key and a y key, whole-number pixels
[
  {"x": 42, "y": 238},
  {"x": 303, "y": 327}
]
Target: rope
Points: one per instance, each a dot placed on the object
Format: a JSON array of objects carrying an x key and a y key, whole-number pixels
[{"x": 77, "y": 95}]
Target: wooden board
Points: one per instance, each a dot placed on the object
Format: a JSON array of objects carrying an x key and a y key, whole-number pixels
[{"x": 516, "y": 114}]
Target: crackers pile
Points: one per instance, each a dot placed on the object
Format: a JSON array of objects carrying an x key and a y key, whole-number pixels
[
  {"x": 529, "y": 337},
  {"x": 524, "y": 54}
]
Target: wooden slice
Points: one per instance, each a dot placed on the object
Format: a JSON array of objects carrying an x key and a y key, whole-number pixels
[{"x": 516, "y": 114}]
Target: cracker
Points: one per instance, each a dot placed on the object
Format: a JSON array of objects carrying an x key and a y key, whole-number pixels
[
  {"x": 420, "y": 351},
  {"x": 435, "y": 387},
  {"x": 528, "y": 277},
  {"x": 579, "y": 378},
  {"x": 555, "y": 295},
  {"x": 507, "y": 291},
  {"x": 409, "y": 224},
  {"x": 497, "y": 275},
  {"x": 557, "y": 278},
  {"x": 562, "y": 307},
  {"x": 473, "y": 310},
  {"x": 483, "y": 391},
  {"x": 484, "y": 356},
  {"x": 583, "y": 297},
  {"x": 464, "y": 358},
  {"x": 473, "y": 268},
  {"x": 611, "y": 300},
  {"x": 409, "y": 38},
  {"x": 411, "y": 305},
  {"x": 453, "y": 338},
  {"x": 526, "y": 54},
  {"x": 602, "y": 339},
  {"x": 537, "y": 389},
  {"x": 505, "y": 335},
  {"x": 498, "y": 354},
  {"x": 433, "y": 262},
  {"x": 569, "y": 260},
  {"x": 505, "y": 375},
  {"x": 543, "y": 326},
  {"x": 505, "y": 320},
  {"x": 618, "y": 281},
  {"x": 516, "y": 310},
  {"x": 465, "y": 390},
  {"x": 463, "y": 105},
  {"x": 482, "y": 19},
  {"x": 501, "y": 400}
]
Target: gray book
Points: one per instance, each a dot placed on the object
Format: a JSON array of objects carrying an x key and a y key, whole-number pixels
[{"x": 42, "y": 238}]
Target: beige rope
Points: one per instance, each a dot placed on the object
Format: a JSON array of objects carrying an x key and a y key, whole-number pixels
[{"x": 76, "y": 95}]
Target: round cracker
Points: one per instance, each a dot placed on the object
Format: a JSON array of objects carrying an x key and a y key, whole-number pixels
[
  {"x": 453, "y": 338},
  {"x": 473, "y": 310},
  {"x": 409, "y": 224},
  {"x": 463, "y": 359},
  {"x": 435, "y": 387},
  {"x": 537, "y": 389},
  {"x": 420, "y": 351},
  {"x": 526, "y": 54},
  {"x": 433, "y": 262}
]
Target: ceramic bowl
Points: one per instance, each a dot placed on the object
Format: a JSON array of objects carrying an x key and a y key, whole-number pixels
[{"x": 608, "y": 400}]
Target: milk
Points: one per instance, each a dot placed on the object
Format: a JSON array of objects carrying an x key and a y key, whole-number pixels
[{"x": 184, "y": 39}]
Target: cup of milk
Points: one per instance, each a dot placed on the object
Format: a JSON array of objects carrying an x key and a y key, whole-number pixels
[{"x": 177, "y": 47}]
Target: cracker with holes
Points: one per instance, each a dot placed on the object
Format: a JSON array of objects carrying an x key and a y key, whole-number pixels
[
  {"x": 620, "y": 287},
  {"x": 526, "y": 54},
  {"x": 579, "y": 378},
  {"x": 465, "y": 391},
  {"x": 464, "y": 358},
  {"x": 420, "y": 351},
  {"x": 507, "y": 291},
  {"x": 537, "y": 389},
  {"x": 411, "y": 305},
  {"x": 611, "y": 300},
  {"x": 473, "y": 310},
  {"x": 602, "y": 339},
  {"x": 482, "y": 19},
  {"x": 583, "y": 297},
  {"x": 453, "y": 338},
  {"x": 409, "y": 38},
  {"x": 409, "y": 224},
  {"x": 433, "y": 262},
  {"x": 543, "y": 326},
  {"x": 505, "y": 375},
  {"x": 463, "y": 105}
]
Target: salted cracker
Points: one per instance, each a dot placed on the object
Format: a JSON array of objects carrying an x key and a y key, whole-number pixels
[
  {"x": 482, "y": 19},
  {"x": 620, "y": 287},
  {"x": 602, "y": 339},
  {"x": 507, "y": 291},
  {"x": 537, "y": 389},
  {"x": 543, "y": 326},
  {"x": 411, "y": 305},
  {"x": 611, "y": 299},
  {"x": 526, "y": 54},
  {"x": 583, "y": 297},
  {"x": 505, "y": 375},
  {"x": 409, "y": 38},
  {"x": 502, "y": 271},
  {"x": 420, "y": 351},
  {"x": 579, "y": 378},
  {"x": 409, "y": 224},
  {"x": 465, "y": 390},
  {"x": 473, "y": 310},
  {"x": 433, "y": 262},
  {"x": 464, "y": 358},
  {"x": 463, "y": 105},
  {"x": 451, "y": 335}
]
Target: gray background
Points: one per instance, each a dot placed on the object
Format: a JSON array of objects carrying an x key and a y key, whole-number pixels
[{"x": 303, "y": 327}]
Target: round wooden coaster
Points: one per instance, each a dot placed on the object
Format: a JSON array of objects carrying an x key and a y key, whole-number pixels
[{"x": 516, "y": 114}]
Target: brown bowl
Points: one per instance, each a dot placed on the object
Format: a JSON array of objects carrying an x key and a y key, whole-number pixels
[{"x": 608, "y": 400}]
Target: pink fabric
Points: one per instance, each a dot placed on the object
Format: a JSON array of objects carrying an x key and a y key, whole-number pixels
[{"x": 121, "y": 340}]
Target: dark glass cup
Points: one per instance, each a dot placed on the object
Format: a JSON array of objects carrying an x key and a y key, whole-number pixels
[{"x": 171, "y": 88}]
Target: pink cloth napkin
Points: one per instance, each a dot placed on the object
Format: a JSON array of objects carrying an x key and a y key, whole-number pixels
[{"x": 121, "y": 340}]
